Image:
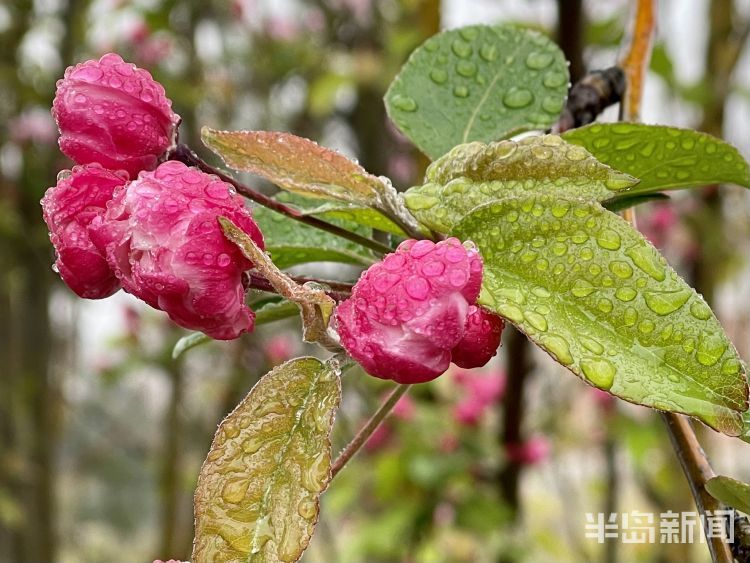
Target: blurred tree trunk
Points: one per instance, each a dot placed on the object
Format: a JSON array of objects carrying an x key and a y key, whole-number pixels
[
  {"x": 30, "y": 404},
  {"x": 726, "y": 40}
]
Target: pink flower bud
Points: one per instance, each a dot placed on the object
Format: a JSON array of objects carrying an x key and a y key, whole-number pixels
[
  {"x": 409, "y": 311},
  {"x": 69, "y": 208},
  {"x": 162, "y": 239},
  {"x": 534, "y": 450},
  {"x": 114, "y": 113},
  {"x": 481, "y": 339}
]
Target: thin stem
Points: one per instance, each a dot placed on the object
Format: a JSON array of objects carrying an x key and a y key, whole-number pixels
[
  {"x": 362, "y": 436},
  {"x": 185, "y": 155},
  {"x": 697, "y": 470},
  {"x": 338, "y": 291},
  {"x": 636, "y": 58}
]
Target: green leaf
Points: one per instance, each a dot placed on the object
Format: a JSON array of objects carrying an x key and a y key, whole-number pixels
[
  {"x": 296, "y": 164},
  {"x": 266, "y": 313},
  {"x": 730, "y": 491},
  {"x": 257, "y": 498},
  {"x": 275, "y": 311},
  {"x": 356, "y": 215},
  {"x": 189, "y": 341},
  {"x": 478, "y": 83},
  {"x": 745, "y": 435},
  {"x": 290, "y": 242},
  {"x": 664, "y": 158},
  {"x": 475, "y": 173},
  {"x": 592, "y": 292},
  {"x": 621, "y": 203}
]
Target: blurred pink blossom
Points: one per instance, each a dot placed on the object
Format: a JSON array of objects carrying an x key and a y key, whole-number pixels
[
  {"x": 279, "y": 348},
  {"x": 379, "y": 438},
  {"x": 535, "y": 450},
  {"x": 404, "y": 408},
  {"x": 34, "y": 125}
]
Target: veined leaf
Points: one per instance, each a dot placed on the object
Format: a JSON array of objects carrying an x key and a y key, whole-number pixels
[
  {"x": 357, "y": 215},
  {"x": 295, "y": 164},
  {"x": 663, "y": 158},
  {"x": 730, "y": 491},
  {"x": 478, "y": 83},
  {"x": 592, "y": 292},
  {"x": 745, "y": 435},
  {"x": 257, "y": 498},
  {"x": 290, "y": 242},
  {"x": 476, "y": 173}
]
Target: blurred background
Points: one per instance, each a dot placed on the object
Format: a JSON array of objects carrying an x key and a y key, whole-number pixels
[{"x": 102, "y": 434}]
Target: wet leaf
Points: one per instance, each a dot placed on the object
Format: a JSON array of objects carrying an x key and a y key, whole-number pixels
[
  {"x": 290, "y": 242},
  {"x": 478, "y": 83},
  {"x": 731, "y": 492},
  {"x": 619, "y": 204},
  {"x": 257, "y": 498},
  {"x": 296, "y": 164},
  {"x": 357, "y": 215},
  {"x": 663, "y": 158},
  {"x": 592, "y": 292},
  {"x": 475, "y": 173}
]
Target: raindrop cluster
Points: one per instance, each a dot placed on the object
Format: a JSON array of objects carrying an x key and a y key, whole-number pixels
[
  {"x": 157, "y": 237},
  {"x": 114, "y": 113},
  {"x": 413, "y": 313}
]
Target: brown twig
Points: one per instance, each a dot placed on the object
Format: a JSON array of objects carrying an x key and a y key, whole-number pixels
[
  {"x": 685, "y": 443},
  {"x": 698, "y": 470},
  {"x": 185, "y": 155},
  {"x": 362, "y": 436},
  {"x": 636, "y": 59}
]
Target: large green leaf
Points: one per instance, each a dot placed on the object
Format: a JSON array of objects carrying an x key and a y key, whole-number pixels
[
  {"x": 257, "y": 498},
  {"x": 290, "y": 242},
  {"x": 730, "y": 491},
  {"x": 587, "y": 288},
  {"x": 478, "y": 83},
  {"x": 296, "y": 164},
  {"x": 475, "y": 173},
  {"x": 663, "y": 158}
]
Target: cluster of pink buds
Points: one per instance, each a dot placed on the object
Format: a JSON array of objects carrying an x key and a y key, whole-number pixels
[
  {"x": 413, "y": 313},
  {"x": 125, "y": 218}
]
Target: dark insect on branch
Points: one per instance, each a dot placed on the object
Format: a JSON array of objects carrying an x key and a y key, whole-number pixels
[{"x": 591, "y": 95}]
